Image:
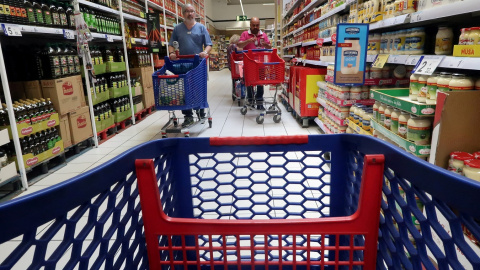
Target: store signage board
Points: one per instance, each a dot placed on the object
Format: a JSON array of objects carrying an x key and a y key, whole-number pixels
[
  {"x": 350, "y": 53},
  {"x": 380, "y": 60},
  {"x": 12, "y": 30},
  {"x": 154, "y": 33},
  {"x": 428, "y": 64}
]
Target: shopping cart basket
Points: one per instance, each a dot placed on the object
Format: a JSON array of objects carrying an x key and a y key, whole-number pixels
[
  {"x": 186, "y": 89},
  {"x": 236, "y": 69},
  {"x": 263, "y": 67},
  {"x": 95, "y": 220}
]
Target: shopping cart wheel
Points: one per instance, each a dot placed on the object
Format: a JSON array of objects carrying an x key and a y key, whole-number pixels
[
  {"x": 175, "y": 123},
  {"x": 164, "y": 136},
  {"x": 277, "y": 118},
  {"x": 243, "y": 111},
  {"x": 260, "y": 119},
  {"x": 305, "y": 122},
  {"x": 239, "y": 102}
]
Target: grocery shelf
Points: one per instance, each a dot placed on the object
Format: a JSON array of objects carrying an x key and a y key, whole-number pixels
[
  {"x": 398, "y": 20},
  {"x": 169, "y": 27},
  {"x": 398, "y": 98},
  {"x": 470, "y": 63},
  {"x": 449, "y": 10},
  {"x": 134, "y": 18},
  {"x": 139, "y": 41},
  {"x": 9, "y": 174},
  {"x": 357, "y": 128},
  {"x": 349, "y": 102},
  {"x": 317, "y": 63},
  {"x": 331, "y": 13},
  {"x": 322, "y": 102},
  {"x": 418, "y": 150},
  {"x": 322, "y": 126},
  {"x": 154, "y": 5},
  {"x": 292, "y": 8},
  {"x": 379, "y": 82},
  {"x": 309, "y": 43},
  {"x": 334, "y": 118},
  {"x": 106, "y": 36},
  {"x": 98, "y": 7},
  {"x": 31, "y": 29}
]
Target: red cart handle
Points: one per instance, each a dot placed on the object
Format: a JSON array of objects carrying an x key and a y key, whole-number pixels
[{"x": 167, "y": 76}]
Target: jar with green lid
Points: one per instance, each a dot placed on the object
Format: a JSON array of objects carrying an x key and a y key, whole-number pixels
[{"x": 419, "y": 130}]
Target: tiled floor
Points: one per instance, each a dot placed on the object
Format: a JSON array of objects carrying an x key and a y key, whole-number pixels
[{"x": 227, "y": 121}]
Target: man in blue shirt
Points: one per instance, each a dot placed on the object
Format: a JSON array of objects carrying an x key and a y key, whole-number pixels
[{"x": 192, "y": 38}]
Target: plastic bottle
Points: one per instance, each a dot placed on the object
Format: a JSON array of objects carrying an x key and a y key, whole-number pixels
[
  {"x": 70, "y": 16},
  {"x": 63, "y": 15}
]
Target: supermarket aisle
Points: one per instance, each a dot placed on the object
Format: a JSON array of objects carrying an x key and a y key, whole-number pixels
[{"x": 227, "y": 121}]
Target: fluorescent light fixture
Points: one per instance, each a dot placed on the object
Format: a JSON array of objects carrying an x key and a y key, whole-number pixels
[
  {"x": 241, "y": 4},
  {"x": 269, "y": 4}
]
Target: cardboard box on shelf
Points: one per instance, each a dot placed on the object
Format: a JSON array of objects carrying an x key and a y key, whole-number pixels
[
  {"x": 80, "y": 125},
  {"x": 65, "y": 131},
  {"x": 33, "y": 89},
  {"x": 148, "y": 97},
  {"x": 454, "y": 127},
  {"x": 65, "y": 93},
  {"x": 144, "y": 75},
  {"x": 17, "y": 90}
]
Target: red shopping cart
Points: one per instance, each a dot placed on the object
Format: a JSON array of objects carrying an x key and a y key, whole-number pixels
[
  {"x": 236, "y": 69},
  {"x": 263, "y": 67},
  {"x": 250, "y": 203}
]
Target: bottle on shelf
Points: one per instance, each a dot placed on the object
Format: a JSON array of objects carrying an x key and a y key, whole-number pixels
[
  {"x": 70, "y": 16},
  {"x": 54, "y": 14},
  {"x": 62, "y": 14},
  {"x": 47, "y": 16}
]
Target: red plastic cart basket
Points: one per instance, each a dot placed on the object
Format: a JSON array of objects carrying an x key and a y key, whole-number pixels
[
  {"x": 263, "y": 67},
  {"x": 236, "y": 65}
]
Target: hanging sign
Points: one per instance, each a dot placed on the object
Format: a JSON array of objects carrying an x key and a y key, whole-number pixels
[
  {"x": 154, "y": 33},
  {"x": 350, "y": 53},
  {"x": 380, "y": 60}
]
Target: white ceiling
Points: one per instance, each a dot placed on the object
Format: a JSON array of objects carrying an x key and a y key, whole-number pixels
[{"x": 246, "y": 2}]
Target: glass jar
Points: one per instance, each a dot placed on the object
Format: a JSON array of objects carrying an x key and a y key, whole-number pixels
[
  {"x": 460, "y": 82},
  {"x": 444, "y": 41},
  {"x": 443, "y": 82},
  {"x": 367, "y": 72},
  {"x": 474, "y": 36},
  {"x": 349, "y": 131},
  {"x": 413, "y": 87},
  {"x": 477, "y": 84},
  {"x": 344, "y": 92},
  {"x": 402, "y": 124},
  {"x": 361, "y": 115},
  {"x": 367, "y": 117},
  {"x": 472, "y": 169},
  {"x": 394, "y": 124},
  {"x": 381, "y": 113},
  {"x": 422, "y": 88},
  {"x": 343, "y": 112},
  {"x": 375, "y": 44},
  {"x": 409, "y": 6},
  {"x": 352, "y": 112},
  {"x": 375, "y": 73},
  {"x": 461, "y": 39},
  {"x": 457, "y": 161},
  {"x": 419, "y": 130},
  {"x": 399, "y": 72},
  {"x": 365, "y": 92},
  {"x": 417, "y": 41},
  {"x": 402, "y": 35},
  {"x": 383, "y": 43},
  {"x": 432, "y": 89},
  {"x": 387, "y": 122},
  {"x": 386, "y": 72},
  {"x": 356, "y": 93},
  {"x": 375, "y": 109}
]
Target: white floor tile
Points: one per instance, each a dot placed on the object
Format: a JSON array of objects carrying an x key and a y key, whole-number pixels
[{"x": 74, "y": 168}]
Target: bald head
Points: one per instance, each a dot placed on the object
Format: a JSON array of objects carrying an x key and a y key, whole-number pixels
[{"x": 254, "y": 25}]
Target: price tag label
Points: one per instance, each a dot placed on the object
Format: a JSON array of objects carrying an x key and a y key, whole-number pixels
[
  {"x": 320, "y": 42},
  {"x": 413, "y": 60},
  {"x": 416, "y": 17},
  {"x": 294, "y": 60},
  {"x": 144, "y": 41},
  {"x": 68, "y": 34},
  {"x": 12, "y": 30},
  {"x": 428, "y": 64},
  {"x": 454, "y": 62},
  {"x": 380, "y": 60},
  {"x": 108, "y": 38}
]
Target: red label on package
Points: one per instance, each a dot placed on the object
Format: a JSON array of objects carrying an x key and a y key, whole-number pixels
[
  {"x": 67, "y": 88},
  {"x": 344, "y": 45},
  {"x": 56, "y": 150},
  {"x": 81, "y": 122},
  {"x": 320, "y": 42},
  {"x": 51, "y": 123},
  {"x": 26, "y": 131},
  {"x": 32, "y": 161}
]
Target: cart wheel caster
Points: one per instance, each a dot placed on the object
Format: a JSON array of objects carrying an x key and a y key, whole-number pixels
[
  {"x": 277, "y": 118},
  {"x": 271, "y": 108},
  {"x": 187, "y": 135},
  {"x": 260, "y": 119},
  {"x": 305, "y": 123},
  {"x": 210, "y": 123},
  {"x": 239, "y": 103},
  {"x": 175, "y": 123},
  {"x": 243, "y": 111}
]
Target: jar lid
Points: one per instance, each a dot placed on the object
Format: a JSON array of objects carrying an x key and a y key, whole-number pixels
[
  {"x": 418, "y": 29},
  {"x": 461, "y": 155},
  {"x": 468, "y": 29},
  {"x": 475, "y": 28},
  {"x": 459, "y": 75},
  {"x": 473, "y": 163},
  {"x": 445, "y": 74}
]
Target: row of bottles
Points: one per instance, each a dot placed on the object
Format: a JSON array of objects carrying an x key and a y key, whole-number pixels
[
  {"x": 40, "y": 142},
  {"x": 57, "y": 60},
  {"x": 49, "y": 13},
  {"x": 105, "y": 54},
  {"x": 28, "y": 111},
  {"x": 102, "y": 111},
  {"x": 108, "y": 3},
  {"x": 112, "y": 80},
  {"x": 101, "y": 22},
  {"x": 139, "y": 57},
  {"x": 120, "y": 104}
]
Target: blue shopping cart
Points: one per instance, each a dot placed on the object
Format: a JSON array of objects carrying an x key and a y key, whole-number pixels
[
  {"x": 182, "y": 85},
  {"x": 95, "y": 220}
]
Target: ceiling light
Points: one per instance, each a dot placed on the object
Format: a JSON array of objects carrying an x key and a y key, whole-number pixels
[{"x": 269, "y": 4}]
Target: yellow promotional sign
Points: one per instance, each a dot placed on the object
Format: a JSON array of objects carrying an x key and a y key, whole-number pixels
[{"x": 380, "y": 61}]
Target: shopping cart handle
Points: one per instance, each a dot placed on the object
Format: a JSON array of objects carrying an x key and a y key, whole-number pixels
[
  {"x": 272, "y": 63},
  {"x": 261, "y": 50},
  {"x": 257, "y": 140},
  {"x": 167, "y": 76}
]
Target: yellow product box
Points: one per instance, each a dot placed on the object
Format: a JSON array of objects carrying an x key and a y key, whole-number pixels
[
  {"x": 466, "y": 50},
  {"x": 26, "y": 128},
  {"x": 30, "y": 160}
]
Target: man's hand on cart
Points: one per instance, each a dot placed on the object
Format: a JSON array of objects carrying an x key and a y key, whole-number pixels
[
  {"x": 173, "y": 56},
  {"x": 252, "y": 39},
  {"x": 203, "y": 54}
]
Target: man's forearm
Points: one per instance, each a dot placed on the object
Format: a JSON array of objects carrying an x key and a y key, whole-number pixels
[
  {"x": 171, "y": 49},
  {"x": 208, "y": 49},
  {"x": 242, "y": 44}
]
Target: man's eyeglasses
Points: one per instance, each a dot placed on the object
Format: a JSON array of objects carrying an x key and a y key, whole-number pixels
[{"x": 189, "y": 11}]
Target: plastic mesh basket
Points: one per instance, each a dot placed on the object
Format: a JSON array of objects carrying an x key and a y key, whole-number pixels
[
  {"x": 236, "y": 62},
  {"x": 262, "y": 67},
  {"x": 94, "y": 221},
  {"x": 187, "y": 89}
]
